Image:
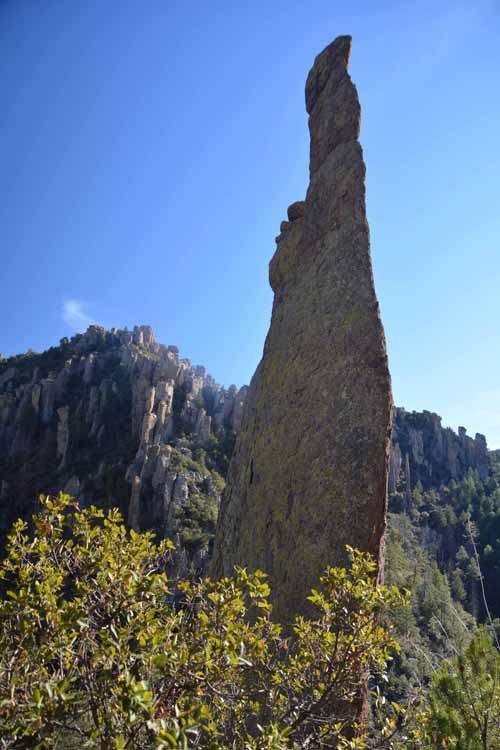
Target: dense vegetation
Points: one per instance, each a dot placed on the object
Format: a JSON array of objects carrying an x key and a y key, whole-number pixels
[
  {"x": 98, "y": 650},
  {"x": 443, "y": 545},
  {"x": 464, "y": 700},
  {"x": 449, "y": 521}
]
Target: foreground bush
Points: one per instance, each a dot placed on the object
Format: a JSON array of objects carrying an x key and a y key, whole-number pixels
[{"x": 96, "y": 652}]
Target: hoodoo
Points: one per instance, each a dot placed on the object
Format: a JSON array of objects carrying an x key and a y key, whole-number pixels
[{"x": 309, "y": 470}]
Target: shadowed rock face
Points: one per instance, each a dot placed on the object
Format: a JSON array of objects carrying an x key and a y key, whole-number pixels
[{"x": 309, "y": 471}]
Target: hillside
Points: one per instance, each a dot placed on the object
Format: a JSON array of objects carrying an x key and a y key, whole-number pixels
[{"x": 115, "y": 418}]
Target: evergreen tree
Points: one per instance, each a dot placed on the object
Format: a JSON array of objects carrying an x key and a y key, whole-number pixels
[{"x": 464, "y": 699}]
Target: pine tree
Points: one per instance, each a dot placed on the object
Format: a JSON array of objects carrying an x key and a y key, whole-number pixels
[{"x": 465, "y": 699}]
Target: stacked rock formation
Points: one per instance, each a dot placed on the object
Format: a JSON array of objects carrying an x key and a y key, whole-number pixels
[
  {"x": 309, "y": 471},
  {"x": 433, "y": 454},
  {"x": 113, "y": 417}
]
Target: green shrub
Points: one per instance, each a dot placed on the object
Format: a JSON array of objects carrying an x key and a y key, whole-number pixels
[{"x": 94, "y": 654}]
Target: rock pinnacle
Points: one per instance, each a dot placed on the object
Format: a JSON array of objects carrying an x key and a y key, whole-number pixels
[{"x": 309, "y": 470}]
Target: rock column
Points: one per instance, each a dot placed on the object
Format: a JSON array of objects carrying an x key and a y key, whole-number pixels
[{"x": 309, "y": 471}]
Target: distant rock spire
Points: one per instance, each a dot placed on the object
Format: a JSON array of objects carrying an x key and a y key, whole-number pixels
[{"x": 309, "y": 471}]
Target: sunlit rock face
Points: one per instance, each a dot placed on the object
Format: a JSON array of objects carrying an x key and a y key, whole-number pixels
[
  {"x": 116, "y": 419},
  {"x": 309, "y": 471},
  {"x": 429, "y": 453}
]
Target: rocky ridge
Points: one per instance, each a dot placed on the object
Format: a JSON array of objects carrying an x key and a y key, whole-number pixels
[
  {"x": 432, "y": 454},
  {"x": 114, "y": 417}
]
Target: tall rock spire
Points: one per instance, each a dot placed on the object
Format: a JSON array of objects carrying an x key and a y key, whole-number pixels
[{"x": 309, "y": 470}]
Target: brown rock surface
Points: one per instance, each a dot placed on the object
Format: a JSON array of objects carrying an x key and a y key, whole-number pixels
[
  {"x": 296, "y": 210},
  {"x": 309, "y": 471}
]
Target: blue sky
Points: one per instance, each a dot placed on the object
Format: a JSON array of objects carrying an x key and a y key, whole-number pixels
[{"x": 150, "y": 148}]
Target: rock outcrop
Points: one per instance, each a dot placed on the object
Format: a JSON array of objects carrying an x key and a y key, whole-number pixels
[
  {"x": 309, "y": 471},
  {"x": 116, "y": 418},
  {"x": 432, "y": 454}
]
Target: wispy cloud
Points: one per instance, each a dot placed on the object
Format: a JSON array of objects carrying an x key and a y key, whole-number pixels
[{"x": 74, "y": 315}]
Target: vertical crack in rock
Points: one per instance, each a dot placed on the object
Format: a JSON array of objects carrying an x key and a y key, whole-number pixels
[{"x": 309, "y": 471}]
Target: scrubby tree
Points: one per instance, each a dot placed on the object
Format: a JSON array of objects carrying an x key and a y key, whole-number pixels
[{"x": 99, "y": 650}]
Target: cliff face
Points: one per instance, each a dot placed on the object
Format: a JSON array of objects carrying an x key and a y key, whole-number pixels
[
  {"x": 115, "y": 418},
  {"x": 432, "y": 454},
  {"x": 309, "y": 471}
]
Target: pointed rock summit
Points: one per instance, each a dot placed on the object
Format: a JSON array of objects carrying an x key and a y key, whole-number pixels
[{"x": 309, "y": 471}]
